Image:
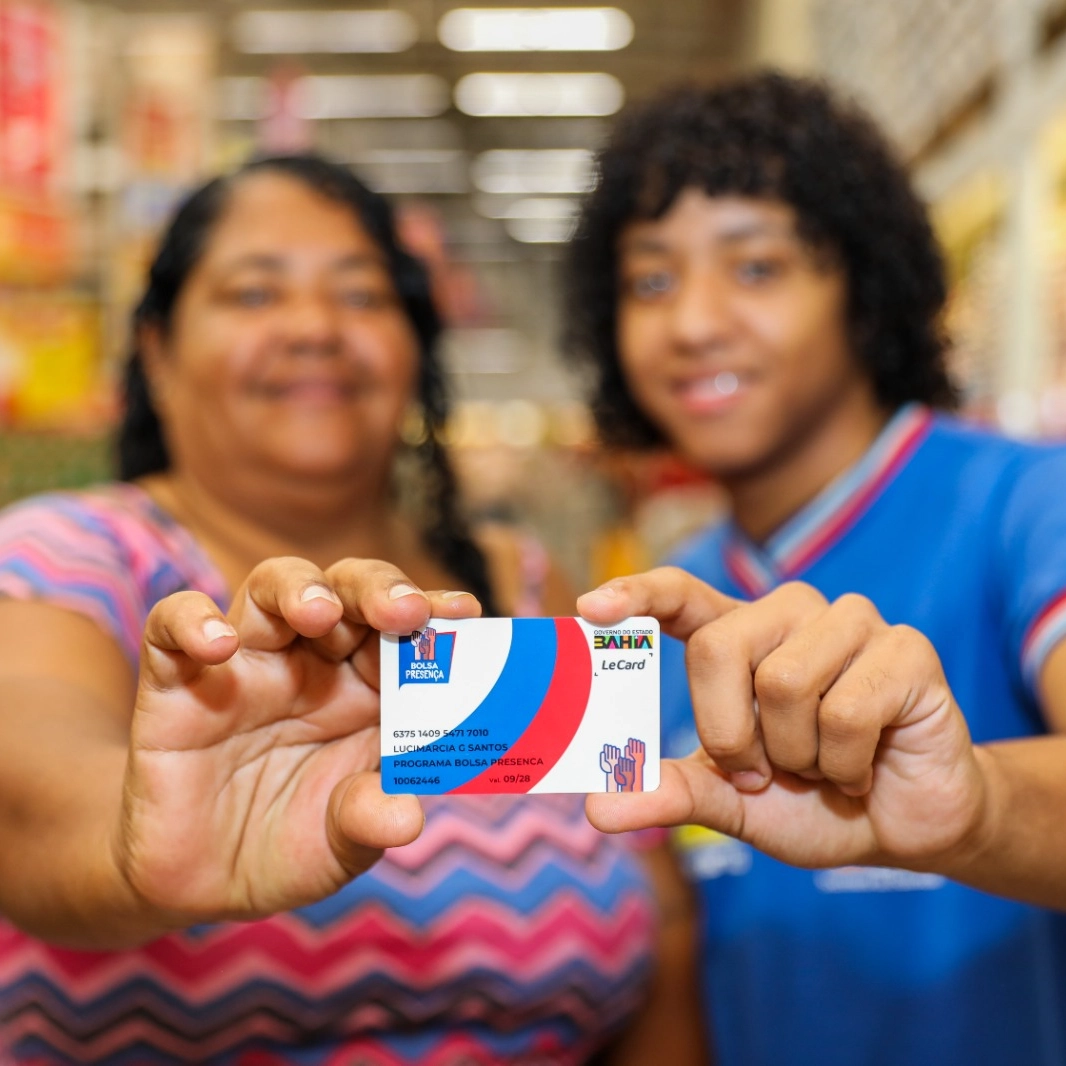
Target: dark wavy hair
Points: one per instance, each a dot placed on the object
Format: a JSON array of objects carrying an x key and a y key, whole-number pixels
[
  {"x": 141, "y": 444},
  {"x": 781, "y": 138}
]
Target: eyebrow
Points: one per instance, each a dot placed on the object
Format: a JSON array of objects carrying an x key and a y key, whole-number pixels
[
  {"x": 729, "y": 234},
  {"x": 267, "y": 261}
]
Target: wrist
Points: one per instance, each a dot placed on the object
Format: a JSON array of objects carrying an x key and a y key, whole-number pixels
[
  {"x": 976, "y": 850},
  {"x": 134, "y": 918}
]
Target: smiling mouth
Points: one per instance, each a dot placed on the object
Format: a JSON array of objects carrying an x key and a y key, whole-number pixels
[
  {"x": 712, "y": 393},
  {"x": 314, "y": 391}
]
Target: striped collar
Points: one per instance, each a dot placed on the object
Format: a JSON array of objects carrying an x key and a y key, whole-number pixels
[{"x": 822, "y": 522}]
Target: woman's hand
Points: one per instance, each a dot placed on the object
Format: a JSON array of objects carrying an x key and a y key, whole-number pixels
[
  {"x": 828, "y": 736},
  {"x": 251, "y": 784}
]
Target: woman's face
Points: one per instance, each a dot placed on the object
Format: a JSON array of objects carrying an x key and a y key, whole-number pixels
[
  {"x": 732, "y": 334},
  {"x": 289, "y": 350}
]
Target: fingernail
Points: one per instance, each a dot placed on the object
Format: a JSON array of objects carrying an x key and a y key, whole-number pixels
[
  {"x": 453, "y": 595},
  {"x": 216, "y": 629},
  {"x": 399, "y": 591},
  {"x": 749, "y": 780},
  {"x": 606, "y": 590},
  {"x": 318, "y": 592}
]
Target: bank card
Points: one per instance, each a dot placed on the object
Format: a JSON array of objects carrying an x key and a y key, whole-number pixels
[{"x": 517, "y": 705}]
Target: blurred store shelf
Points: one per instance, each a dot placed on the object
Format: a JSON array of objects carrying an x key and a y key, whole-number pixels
[{"x": 43, "y": 462}]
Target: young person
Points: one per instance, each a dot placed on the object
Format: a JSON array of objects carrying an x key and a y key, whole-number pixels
[
  {"x": 189, "y": 712},
  {"x": 754, "y": 282}
]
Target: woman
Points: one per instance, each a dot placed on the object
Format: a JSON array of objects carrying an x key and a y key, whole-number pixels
[{"x": 283, "y": 340}]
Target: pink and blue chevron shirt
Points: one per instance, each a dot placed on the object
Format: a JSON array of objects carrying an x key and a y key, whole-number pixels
[{"x": 509, "y": 932}]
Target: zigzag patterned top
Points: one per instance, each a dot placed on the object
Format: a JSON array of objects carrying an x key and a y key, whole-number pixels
[{"x": 509, "y": 932}]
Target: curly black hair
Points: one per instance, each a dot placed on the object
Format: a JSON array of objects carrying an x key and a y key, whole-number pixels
[
  {"x": 141, "y": 444},
  {"x": 780, "y": 138}
]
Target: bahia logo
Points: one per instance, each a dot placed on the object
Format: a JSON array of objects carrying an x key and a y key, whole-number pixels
[
  {"x": 426, "y": 657},
  {"x": 623, "y": 640}
]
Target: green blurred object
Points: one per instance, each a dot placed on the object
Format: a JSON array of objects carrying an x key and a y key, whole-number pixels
[{"x": 39, "y": 462}]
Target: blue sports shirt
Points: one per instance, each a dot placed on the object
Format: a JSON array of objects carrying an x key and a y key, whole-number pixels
[{"x": 961, "y": 534}]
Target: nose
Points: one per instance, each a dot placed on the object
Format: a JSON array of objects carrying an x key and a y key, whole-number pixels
[
  {"x": 700, "y": 313},
  {"x": 312, "y": 323}
]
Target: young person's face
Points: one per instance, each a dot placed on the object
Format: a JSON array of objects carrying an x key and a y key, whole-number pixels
[
  {"x": 732, "y": 331},
  {"x": 289, "y": 349}
]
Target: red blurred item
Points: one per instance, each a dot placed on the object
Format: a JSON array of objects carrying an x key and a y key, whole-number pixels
[
  {"x": 29, "y": 96},
  {"x": 284, "y": 129},
  {"x": 456, "y": 291}
]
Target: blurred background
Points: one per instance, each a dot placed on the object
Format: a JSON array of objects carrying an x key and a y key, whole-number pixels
[{"x": 481, "y": 123}]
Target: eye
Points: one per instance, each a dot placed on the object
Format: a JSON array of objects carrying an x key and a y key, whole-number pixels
[
  {"x": 756, "y": 270},
  {"x": 651, "y": 285},
  {"x": 252, "y": 296},
  {"x": 363, "y": 297}
]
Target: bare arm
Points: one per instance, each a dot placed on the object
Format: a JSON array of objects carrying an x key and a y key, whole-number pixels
[
  {"x": 236, "y": 780},
  {"x": 1018, "y": 847},
  {"x": 66, "y": 692},
  {"x": 669, "y": 1028}
]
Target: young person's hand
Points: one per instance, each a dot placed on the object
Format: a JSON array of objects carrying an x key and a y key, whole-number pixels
[
  {"x": 250, "y": 786},
  {"x": 828, "y": 736}
]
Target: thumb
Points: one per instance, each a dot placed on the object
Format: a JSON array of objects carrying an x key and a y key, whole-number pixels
[
  {"x": 692, "y": 791},
  {"x": 362, "y": 821}
]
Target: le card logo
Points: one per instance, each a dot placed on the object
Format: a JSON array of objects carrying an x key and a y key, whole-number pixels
[{"x": 426, "y": 657}]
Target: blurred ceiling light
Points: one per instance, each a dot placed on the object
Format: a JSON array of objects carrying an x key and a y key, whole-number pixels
[
  {"x": 340, "y": 96},
  {"x": 544, "y": 29},
  {"x": 483, "y": 95},
  {"x": 490, "y": 206},
  {"x": 543, "y": 207},
  {"x": 526, "y": 207},
  {"x": 374, "y": 96},
  {"x": 536, "y": 170},
  {"x": 540, "y": 230},
  {"x": 299, "y": 32},
  {"x": 426, "y": 171}
]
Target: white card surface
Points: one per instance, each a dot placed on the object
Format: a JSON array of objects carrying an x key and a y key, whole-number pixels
[{"x": 516, "y": 705}]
